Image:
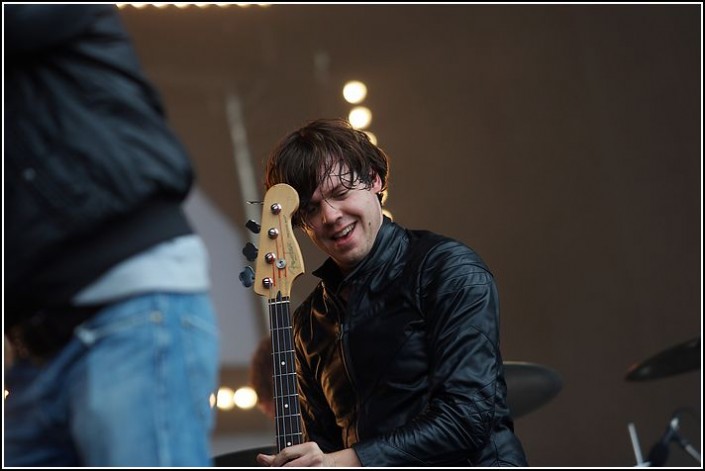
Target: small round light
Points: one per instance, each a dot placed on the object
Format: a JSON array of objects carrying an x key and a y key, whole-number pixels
[
  {"x": 245, "y": 397},
  {"x": 354, "y": 92},
  {"x": 224, "y": 399},
  {"x": 360, "y": 117}
]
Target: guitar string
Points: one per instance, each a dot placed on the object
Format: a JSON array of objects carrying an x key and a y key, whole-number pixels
[
  {"x": 291, "y": 427},
  {"x": 285, "y": 394},
  {"x": 283, "y": 322},
  {"x": 282, "y": 344},
  {"x": 276, "y": 349},
  {"x": 293, "y": 418},
  {"x": 275, "y": 371}
]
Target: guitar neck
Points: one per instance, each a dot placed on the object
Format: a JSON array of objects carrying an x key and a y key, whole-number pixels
[{"x": 286, "y": 394}]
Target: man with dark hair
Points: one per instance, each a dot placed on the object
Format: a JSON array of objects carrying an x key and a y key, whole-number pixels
[{"x": 397, "y": 348}]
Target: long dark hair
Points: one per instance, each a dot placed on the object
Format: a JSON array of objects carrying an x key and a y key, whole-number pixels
[{"x": 304, "y": 158}]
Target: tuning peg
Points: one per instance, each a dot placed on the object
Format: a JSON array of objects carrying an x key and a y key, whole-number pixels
[
  {"x": 250, "y": 252},
  {"x": 253, "y": 226},
  {"x": 247, "y": 276}
]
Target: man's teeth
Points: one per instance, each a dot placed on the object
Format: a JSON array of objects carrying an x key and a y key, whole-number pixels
[{"x": 344, "y": 232}]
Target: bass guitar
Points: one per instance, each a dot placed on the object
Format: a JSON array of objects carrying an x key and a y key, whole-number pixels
[{"x": 278, "y": 264}]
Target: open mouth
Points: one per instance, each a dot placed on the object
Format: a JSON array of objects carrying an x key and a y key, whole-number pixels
[{"x": 344, "y": 234}]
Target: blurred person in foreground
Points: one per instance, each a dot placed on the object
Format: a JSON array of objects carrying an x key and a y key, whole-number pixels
[
  {"x": 113, "y": 335},
  {"x": 397, "y": 348}
]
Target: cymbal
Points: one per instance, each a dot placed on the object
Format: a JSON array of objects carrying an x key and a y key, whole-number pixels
[
  {"x": 680, "y": 358},
  {"x": 529, "y": 386}
]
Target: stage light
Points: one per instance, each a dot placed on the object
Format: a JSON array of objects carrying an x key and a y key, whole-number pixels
[
  {"x": 245, "y": 397},
  {"x": 354, "y": 92},
  {"x": 360, "y": 117}
]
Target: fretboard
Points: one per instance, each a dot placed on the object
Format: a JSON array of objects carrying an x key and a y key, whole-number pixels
[{"x": 286, "y": 394}]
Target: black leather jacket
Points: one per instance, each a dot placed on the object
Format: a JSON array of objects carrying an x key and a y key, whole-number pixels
[{"x": 408, "y": 371}]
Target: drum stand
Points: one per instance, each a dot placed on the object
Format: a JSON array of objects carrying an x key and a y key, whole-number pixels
[{"x": 659, "y": 452}]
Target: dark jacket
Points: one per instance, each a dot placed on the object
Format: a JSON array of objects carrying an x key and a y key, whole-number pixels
[
  {"x": 408, "y": 372},
  {"x": 92, "y": 173}
]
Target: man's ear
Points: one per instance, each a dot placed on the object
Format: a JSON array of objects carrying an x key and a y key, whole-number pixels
[{"x": 376, "y": 184}]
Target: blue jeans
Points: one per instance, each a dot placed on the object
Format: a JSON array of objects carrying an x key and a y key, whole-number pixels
[{"x": 132, "y": 388}]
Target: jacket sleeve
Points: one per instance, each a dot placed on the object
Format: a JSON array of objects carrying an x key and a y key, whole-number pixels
[
  {"x": 318, "y": 419},
  {"x": 459, "y": 300},
  {"x": 30, "y": 28}
]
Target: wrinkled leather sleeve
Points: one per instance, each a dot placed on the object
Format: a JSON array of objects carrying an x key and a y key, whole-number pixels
[
  {"x": 460, "y": 304},
  {"x": 318, "y": 419}
]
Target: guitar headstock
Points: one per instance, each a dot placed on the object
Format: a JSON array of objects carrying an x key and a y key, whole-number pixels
[{"x": 278, "y": 260}]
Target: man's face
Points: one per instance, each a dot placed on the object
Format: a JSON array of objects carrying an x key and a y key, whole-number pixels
[{"x": 343, "y": 221}]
